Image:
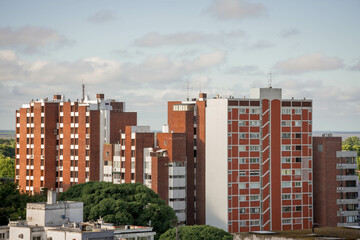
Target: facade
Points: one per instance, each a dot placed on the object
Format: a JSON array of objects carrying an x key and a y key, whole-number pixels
[
  {"x": 59, "y": 143},
  {"x": 188, "y": 117},
  {"x": 156, "y": 160},
  {"x": 335, "y": 183},
  {"x": 259, "y": 162}
]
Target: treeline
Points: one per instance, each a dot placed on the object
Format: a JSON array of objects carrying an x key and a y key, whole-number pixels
[{"x": 7, "y": 158}]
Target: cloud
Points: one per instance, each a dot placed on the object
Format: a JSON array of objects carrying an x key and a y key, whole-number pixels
[
  {"x": 309, "y": 63},
  {"x": 103, "y": 16},
  {"x": 355, "y": 67},
  {"x": 236, "y": 9},
  {"x": 289, "y": 32},
  {"x": 154, "y": 39},
  {"x": 31, "y": 39},
  {"x": 261, "y": 44},
  {"x": 246, "y": 70}
]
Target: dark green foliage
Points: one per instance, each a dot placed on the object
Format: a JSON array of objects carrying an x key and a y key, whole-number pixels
[
  {"x": 197, "y": 232},
  {"x": 13, "y": 203},
  {"x": 7, "y": 161},
  {"x": 122, "y": 204},
  {"x": 352, "y": 144}
]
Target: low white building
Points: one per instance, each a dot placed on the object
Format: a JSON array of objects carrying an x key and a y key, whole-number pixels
[{"x": 64, "y": 221}]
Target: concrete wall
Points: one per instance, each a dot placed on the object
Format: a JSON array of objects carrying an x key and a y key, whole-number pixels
[{"x": 216, "y": 188}]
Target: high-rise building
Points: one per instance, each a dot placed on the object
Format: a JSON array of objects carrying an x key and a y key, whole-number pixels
[
  {"x": 60, "y": 143},
  {"x": 259, "y": 162},
  {"x": 188, "y": 117},
  {"x": 335, "y": 183},
  {"x": 157, "y": 160}
]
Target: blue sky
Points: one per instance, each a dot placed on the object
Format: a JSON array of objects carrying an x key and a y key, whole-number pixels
[{"x": 145, "y": 52}]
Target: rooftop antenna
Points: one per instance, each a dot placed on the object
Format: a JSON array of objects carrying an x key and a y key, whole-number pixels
[
  {"x": 83, "y": 91},
  {"x": 270, "y": 80}
]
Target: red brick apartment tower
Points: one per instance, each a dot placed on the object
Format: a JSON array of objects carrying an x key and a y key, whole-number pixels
[
  {"x": 60, "y": 143},
  {"x": 335, "y": 183},
  {"x": 189, "y": 117},
  {"x": 258, "y": 162},
  {"x": 129, "y": 155},
  {"x": 325, "y": 182}
]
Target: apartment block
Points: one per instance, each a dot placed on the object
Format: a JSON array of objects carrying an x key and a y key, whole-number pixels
[
  {"x": 156, "y": 160},
  {"x": 259, "y": 162},
  {"x": 59, "y": 142},
  {"x": 188, "y": 117},
  {"x": 336, "y": 183}
]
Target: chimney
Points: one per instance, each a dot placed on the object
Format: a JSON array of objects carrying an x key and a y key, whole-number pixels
[
  {"x": 100, "y": 96},
  {"x": 202, "y": 95},
  {"x": 51, "y": 197}
]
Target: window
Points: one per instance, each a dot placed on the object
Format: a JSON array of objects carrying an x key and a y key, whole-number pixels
[
  {"x": 297, "y": 110},
  {"x": 286, "y": 221},
  {"x": 254, "y": 123},
  {"x": 242, "y": 198},
  {"x": 242, "y": 135},
  {"x": 298, "y": 208},
  {"x": 254, "y": 210},
  {"x": 297, "y": 184},
  {"x": 297, "y": 123},
  {"x": 286, "y": 135},
  {"x": 242, "y": 123},
  {"x": 285, "y": 172},
  {"x": 254, "y": 135},
  {"x": 298, "y": 135},
  {"x": 298, "y": 147},
  {"x": 254, "y": 197},
  {"x": 286, "y": 110},
  {"x": 285, "y": 147},
  {"x": 286, "y": 184},
  {"x": 254, "y": 185},
  {"x": 242, "y": 148},
  {"x": 254, "y": 111},
  {"x": 242, "y": 173},
  {"x": 297, "y": 172},
  {"x": 285, "y": 159},
  {"x": 254, "y": 148},
  {"x": 242, "y": 160},
  {"x": 286, "y": 209},
  {"x": 286, "y": 196},
  {"x": 254, "y": 160},
  {"x": 298, "y": 196},
  {"x": 242, "y": 110},
  {"x": 254, "y": 223},
  {"x": 242, "y": 185},
  {"x": 254, "y": 173},
  {"x": 242, "y": 210},
  {"x": 242, "y": 223},
  {"x": 285, "y": 123},
  {"x": 298, "y": 159}
]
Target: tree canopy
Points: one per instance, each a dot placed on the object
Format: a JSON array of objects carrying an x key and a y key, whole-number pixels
[
  {"x": 352, "y": 144},
  {"x": 13, "y": 203},
  {"x": 197, "y": 232},
  {"x": 122, "y": 204},
  {"x": 7, "y": 158}
]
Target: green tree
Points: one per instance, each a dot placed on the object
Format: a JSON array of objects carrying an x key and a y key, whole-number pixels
[
  {"x": 197, "y": 232},
  {"x": 13, "y": 203},
  {"x": 7, "y": 167},
  {"x": 122, "y": 204},
  {"x": 352, "y": 144}
]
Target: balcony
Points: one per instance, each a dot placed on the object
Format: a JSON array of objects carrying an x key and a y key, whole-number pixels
[
  {"x": 346, "y": 189},
  {"x": 347, "y": 177},
  {"x": 347, "y": 201},
  {"x": 347, "y": 213},
  {"x": 346, "y": 166}
]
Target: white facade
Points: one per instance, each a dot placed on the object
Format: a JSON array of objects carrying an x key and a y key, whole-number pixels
[
  {"x": 177, "y": 189},
  {"x": 216, "y": 163}
]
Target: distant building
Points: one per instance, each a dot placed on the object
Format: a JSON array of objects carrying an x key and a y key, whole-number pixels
[
  {"x": 259, "y": 162},
  {"x": 59, "y": 142},
  {"x": 335, "y": 183}
]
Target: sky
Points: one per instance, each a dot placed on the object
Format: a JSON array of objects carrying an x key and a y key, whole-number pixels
[{"x": 146, "y": 53}]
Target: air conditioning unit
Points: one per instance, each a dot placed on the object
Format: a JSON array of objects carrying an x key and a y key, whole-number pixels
[
  {"x": 42, "y": 157},
  {"x": 340, "y": 188},
  {"x": 32, "y": 156},
  {"x": 42, "y": 189},
  {"x": 17, "y": 177},
  {"x": 87, "y": 146},
  {"x": 87, "y": 135}
]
